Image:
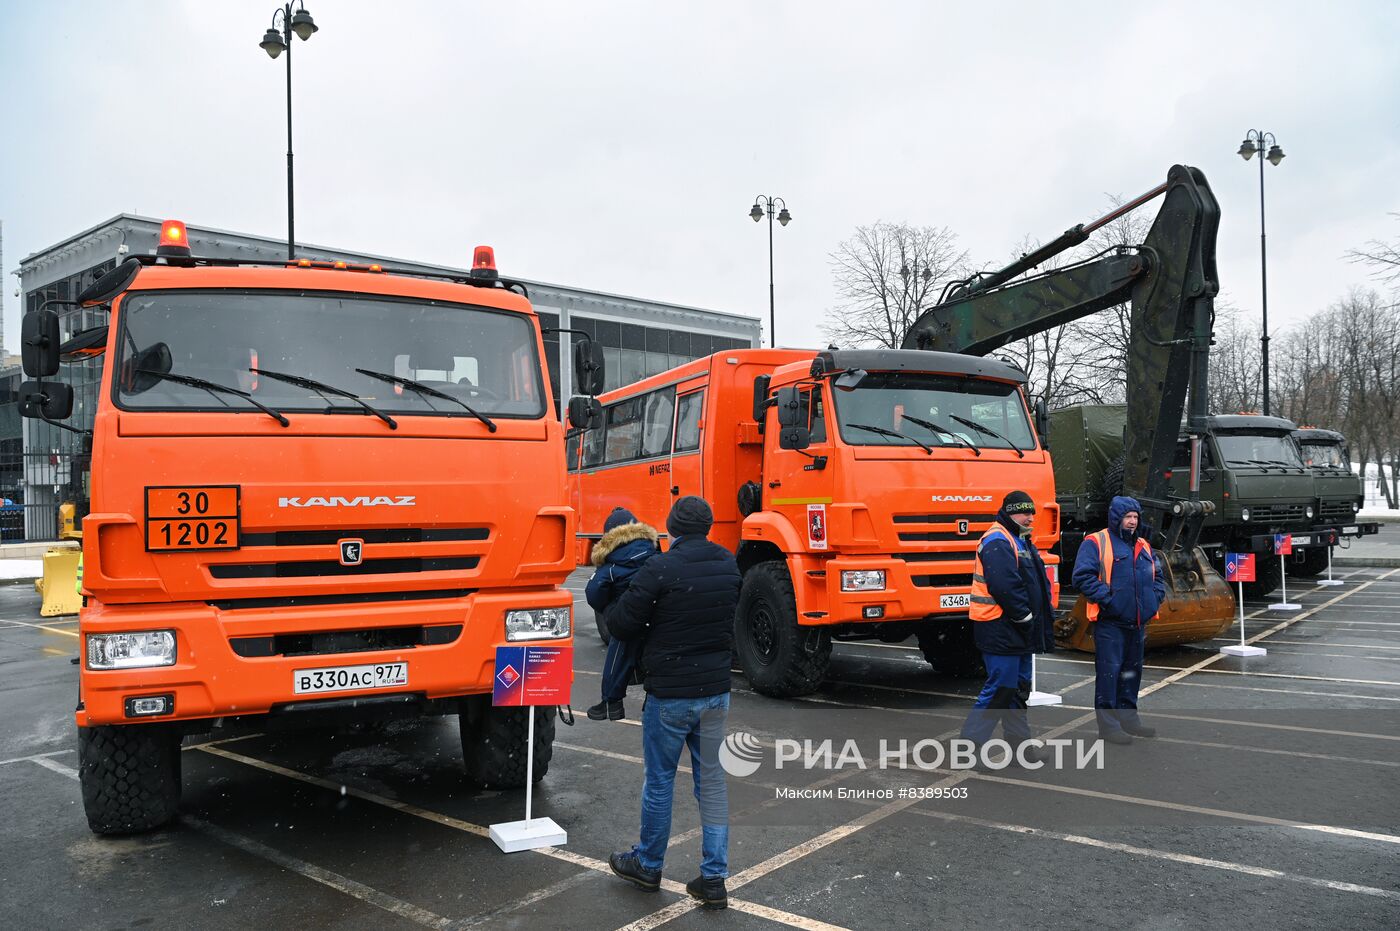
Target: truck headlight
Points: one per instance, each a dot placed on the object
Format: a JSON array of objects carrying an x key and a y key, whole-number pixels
[
  {"x": 1244, "y": 513},
  {"x": 862, "y": 580},
  {"x": 538, "y": 623},
  {"x": 1308, "y": 511},
  {"x": 1355, "y": 506},
  {"x": 132, "y": 650}
]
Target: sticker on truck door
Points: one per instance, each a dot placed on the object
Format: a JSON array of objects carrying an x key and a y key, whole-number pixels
[
  {"x": 816, "y": 526},
  {"x": 192, "y": 517}
]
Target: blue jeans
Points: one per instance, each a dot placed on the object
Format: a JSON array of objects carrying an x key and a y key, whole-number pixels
[
  {"x": 668, "y": 724},
  {"x": 1118, "y": 673},
  {"x": 1002, "y": 699}
]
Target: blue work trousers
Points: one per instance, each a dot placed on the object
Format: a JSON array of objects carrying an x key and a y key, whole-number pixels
[
  {"x": 1118, "y": 673},
  {"x": 1002, "y": 699}
]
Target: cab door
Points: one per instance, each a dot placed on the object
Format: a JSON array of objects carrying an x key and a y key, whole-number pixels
[
  {"x": 687, "y": 452},
  {"x": 802, "y": 491}
]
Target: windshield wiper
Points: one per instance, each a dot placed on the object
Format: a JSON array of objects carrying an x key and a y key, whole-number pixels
[
  {"x": 894, "y": 433},
  {"x": 989, "y": 432},
  {"x": 421, "y": 388},
  {"x": 323, "y": 389},
  {"x": 215, "y": 388},
  {"x": 945, "y": 431}
]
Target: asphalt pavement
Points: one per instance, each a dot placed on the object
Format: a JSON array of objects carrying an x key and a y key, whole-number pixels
[{"x": 1268, "y": 800}]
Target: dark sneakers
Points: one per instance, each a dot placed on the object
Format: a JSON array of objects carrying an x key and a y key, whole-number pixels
[
  {"x": 710, "y": 893},
  {"x": 1140, "y": 730},
  {"x": 607, "y": 711},
  {"x": 629, "y": 868}
]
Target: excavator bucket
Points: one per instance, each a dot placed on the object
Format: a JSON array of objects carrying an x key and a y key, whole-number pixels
[
  {"x": 58, "y": 586},
  {"x": 1199, "y": 606}
]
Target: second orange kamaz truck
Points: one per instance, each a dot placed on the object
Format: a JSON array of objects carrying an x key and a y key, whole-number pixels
[{"x": 853, "y": 486}]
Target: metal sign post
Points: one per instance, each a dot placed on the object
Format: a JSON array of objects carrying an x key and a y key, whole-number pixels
[
  {"x": 1283, "y": 546},
  {"x": 1239, "y": 568},
  {"x": 1329, "y": 580},
  {"x": 527, "y": 676},
  {"x": 1037, "y": 698}
]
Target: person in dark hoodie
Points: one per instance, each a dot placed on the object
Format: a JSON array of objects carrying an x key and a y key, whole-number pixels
[
  {"x": 624, "y": 548},
  {"x": 682, "y": 605},
  {"x": 1118, "y": 574},
  {"x": 1012, "y": 618}
]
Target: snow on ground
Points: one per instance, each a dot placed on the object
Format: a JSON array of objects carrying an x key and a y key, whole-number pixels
[{"x": 21, "y": 568}]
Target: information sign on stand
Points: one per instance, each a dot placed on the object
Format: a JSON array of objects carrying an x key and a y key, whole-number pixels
[
  {"x": 1331, "y": 541},
  {"x": 1283, "y": 546},
  {"x": 1239, "y": 568},
  {"x": 531, "y": 675}
]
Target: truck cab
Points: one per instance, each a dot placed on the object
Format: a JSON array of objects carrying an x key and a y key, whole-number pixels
[{"x": 1337, "y": 492}]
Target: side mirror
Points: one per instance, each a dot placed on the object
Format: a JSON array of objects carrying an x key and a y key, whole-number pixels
[
  {"x": 111, "y": 284},
  {"x": 143, "y": 369},
  {"x": 47, "y": 400},
  {"x": 588, "y": 367},
  {"x": 789, "y": 407},
  {"x": 584, "y": 413},
  {"x": 88, "y": 344},
  {"x": 760, "y": 397},
  {"x": 40, "y": 349},
  {"x": 849, "y": 380},
  {"x": 1042, "y": 422}
]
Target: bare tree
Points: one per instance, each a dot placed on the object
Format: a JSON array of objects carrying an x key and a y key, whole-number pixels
[
  {"x": 1383, "y": 257},
  {"x": 1236, "y": 363},
  {"x": 885, "y": 274}
]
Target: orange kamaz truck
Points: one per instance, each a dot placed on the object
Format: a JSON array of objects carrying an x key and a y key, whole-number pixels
[
  {"x": 852, "y": 485},
  {"x": 319, "y": 491}
]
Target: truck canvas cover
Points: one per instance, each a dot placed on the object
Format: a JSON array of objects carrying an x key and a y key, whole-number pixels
[{"x": 1084, "y": 440}]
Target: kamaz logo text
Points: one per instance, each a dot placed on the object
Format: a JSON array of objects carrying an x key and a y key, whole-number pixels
[
  {"x": 337, "y": 501},
  {"x": 962, "y": 498}
]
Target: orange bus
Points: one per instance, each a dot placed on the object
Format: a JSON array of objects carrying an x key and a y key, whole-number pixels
[
  {"x": 319, "y": 491},
  {"x": 852, "y": 485}
]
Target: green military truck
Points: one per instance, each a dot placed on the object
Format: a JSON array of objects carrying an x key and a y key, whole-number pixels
[
  {"x": 1337, "y": 492},
  {"x": 1250, "y": 470}
]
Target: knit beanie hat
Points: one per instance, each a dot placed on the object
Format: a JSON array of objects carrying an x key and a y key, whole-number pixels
[
  {"x": 690, "y": 515},
  {"x": 617, "y": 518},
  {"x": 1017, "y": 502}
]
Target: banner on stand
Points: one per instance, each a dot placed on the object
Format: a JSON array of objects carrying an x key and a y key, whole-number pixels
[
  {"x": 533, "y": 675},
  {"x": 1283, "y": 544},
  {"x": 1239, "y": 567}
]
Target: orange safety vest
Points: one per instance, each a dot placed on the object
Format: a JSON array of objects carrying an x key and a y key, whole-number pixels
[
  {"x": 984, "y": 607},
  {"x": 1105, "y": 545}
]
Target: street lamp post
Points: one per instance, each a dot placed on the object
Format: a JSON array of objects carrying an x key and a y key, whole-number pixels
[
  {"x": 275, "y": 43},
  {"x": 1255, "y": 141},
  {"x": 765, "y": 203}
]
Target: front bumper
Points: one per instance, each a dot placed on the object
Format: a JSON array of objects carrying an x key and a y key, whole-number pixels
[
  {"x": 1320, "y": 535},
  {"x": 241, "y": 661}
]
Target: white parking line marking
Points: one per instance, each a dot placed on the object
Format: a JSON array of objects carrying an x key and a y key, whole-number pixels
[
  {"x": 568, "y": 856},
  {"x": 325, "y": 877},
  {"x": 1260, "y": 688},
  {"x": 52, "y": 630},
  {"x": 49, "y": 763},
  {"x": 539, "y": 895},
  {"x": 33, "y": 757},
  {"x": 1152, "y": 853}
]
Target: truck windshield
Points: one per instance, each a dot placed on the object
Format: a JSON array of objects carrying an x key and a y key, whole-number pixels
[
  {"x": 938, "y": 410},
  {"x": 1257, "y": 449},
  {"x": 1325, "y": 456},
  {"x": 486, "y": 358}
]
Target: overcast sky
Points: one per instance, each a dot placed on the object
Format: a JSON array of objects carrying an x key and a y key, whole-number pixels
[{"x": 618, "y": 146}]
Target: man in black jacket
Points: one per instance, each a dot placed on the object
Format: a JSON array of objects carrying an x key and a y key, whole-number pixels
[{"x": 681, "y": 603}]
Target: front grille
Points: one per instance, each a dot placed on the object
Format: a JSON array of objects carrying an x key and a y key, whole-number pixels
[
  {"x": 346, "y": 641},
  {"x": 329, "y": 567},
  {"x": 304, "y": 601},
  {"x": 1276, "y": 513},
  {"x": 941, "y": 556},
  {"x": 951, "y": 580},
  {"x": 378, "y": 535},
  {"x": 942, "y": 536},
  {"x": 1333, "y": 511},
  {"x": 943, "y": 518}
]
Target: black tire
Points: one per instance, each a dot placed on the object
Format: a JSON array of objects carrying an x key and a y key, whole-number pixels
[
  {"x": 493, "y": 743},
  {"x": 950, "y": 650},
  {"x": 1112, "y": 484},
  {"x": 130, "y": 776},
  {"x": 602, "y": 628},
  {"x": 1267, "y": 573},
  {"x": 1312, "y": 564},
  {"x": 780, "y": 659}
]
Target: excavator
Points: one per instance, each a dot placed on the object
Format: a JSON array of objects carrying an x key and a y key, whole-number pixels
[{"x": 1170, "y": 280}]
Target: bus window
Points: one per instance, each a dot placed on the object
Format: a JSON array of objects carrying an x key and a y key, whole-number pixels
[
  {"x": 656, "y": 425},
  {"x": 688, "y": 421},
  {"x": 624, "y": 440},
  {"x": 593, "y": 447}
]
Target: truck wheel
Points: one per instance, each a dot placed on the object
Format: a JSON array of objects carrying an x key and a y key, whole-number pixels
[
  {"x": 1267, "y": 574},
  {"x": 130, "y": 776},
  {"x": 779, "y": 658},
  {"x": 602, "y": 628},
  {"x": 949, "y": 649},
  {"x": 1112, "y": 485},
  {"x": 493, "y": 743},
  {"x": 1312, "y": 564}
]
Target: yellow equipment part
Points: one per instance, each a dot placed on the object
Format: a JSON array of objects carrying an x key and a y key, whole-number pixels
[
  {"x": 1199, "y": 606},
  {"x": 59, "y": 583}
]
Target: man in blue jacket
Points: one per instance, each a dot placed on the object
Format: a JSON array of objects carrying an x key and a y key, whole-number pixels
[
  {"x": 681, "y": 604},
  {"x": 1012, "y": 618},
  {"x": 1118, "y": 574}
]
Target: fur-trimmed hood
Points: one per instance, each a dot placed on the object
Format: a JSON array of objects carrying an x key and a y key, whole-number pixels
[{"x": 620, "y": 536}]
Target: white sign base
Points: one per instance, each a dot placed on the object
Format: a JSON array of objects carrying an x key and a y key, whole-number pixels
[
  {"x": 514, "y": 836},
  {"x": 1240, "y": 649},
  {"x": 1039, "y": 699},
  {"x": 1330, "y": 582},
  {"x": 1286, "y": 606}
]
